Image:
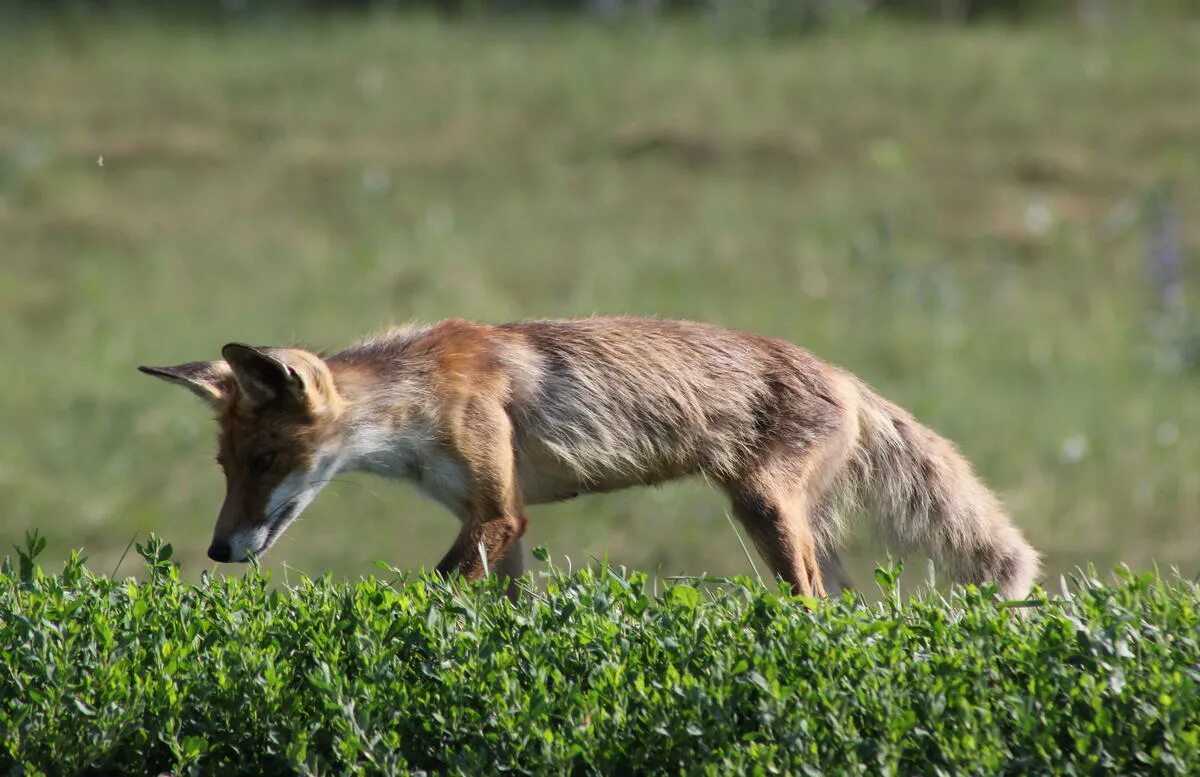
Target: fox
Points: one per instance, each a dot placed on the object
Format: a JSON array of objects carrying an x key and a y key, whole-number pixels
[{"x": 490, "y": 419}]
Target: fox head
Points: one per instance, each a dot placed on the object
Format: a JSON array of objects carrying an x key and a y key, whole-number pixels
[{"x": 277, "y": 410}]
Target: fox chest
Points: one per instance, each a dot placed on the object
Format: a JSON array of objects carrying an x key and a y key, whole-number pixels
[
  {"x": 435, "y": 471},
  {"x": 444, "y": 477}
]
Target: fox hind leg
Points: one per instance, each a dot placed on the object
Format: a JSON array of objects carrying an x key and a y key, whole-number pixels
[
  {"x": 779, "y": 528},
  {"x": 787, "y": 503}
]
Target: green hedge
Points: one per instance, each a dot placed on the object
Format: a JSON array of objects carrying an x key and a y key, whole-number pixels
[{"x": 594, "y": 674}]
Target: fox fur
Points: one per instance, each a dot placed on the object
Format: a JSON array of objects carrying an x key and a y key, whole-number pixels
[{"x": 489, "y": 419}]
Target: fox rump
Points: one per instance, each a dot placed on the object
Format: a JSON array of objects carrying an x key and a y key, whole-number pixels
[{"x": 489, "y": 419}]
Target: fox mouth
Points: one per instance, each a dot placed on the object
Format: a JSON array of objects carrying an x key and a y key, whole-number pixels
[
  {"x": 280, "y": 521},
  {"x": 243, "y": 546}
]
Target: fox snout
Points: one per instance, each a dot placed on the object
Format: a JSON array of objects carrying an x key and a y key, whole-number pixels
[
  {"x": 245, "y": 527},
  {"x": 237, "y": 532},
  {"x": 220, "y": 550},
  {"x": 237, "y": 548}
]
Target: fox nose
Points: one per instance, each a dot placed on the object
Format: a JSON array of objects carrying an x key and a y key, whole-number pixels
[{"x": 219, "y": 550}]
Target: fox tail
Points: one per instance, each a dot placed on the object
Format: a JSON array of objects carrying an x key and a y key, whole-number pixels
[{"x": 924, "y": 496}]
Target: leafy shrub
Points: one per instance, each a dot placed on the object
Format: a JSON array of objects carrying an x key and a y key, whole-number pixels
[{"x": 598, "y": 674}]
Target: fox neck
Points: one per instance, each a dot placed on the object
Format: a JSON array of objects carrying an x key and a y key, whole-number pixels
[{"x": 380, "y": 432}]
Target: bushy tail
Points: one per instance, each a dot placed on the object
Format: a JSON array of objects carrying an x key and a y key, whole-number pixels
[{"x": 924, "y": 496}]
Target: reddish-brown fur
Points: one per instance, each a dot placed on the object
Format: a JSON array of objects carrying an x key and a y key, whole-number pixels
[{"x": 488, "y": 418}]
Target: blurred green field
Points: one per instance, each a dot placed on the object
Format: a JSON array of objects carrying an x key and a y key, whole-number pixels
[{"x": 960, "y": 215}]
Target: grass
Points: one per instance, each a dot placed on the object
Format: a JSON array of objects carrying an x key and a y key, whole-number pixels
[
  {"x": 600, "y": 674},
  {"x": 958, "y": 215}
]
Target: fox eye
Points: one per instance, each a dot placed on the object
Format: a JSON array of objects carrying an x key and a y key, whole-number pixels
[{"x": 261, "y": 462}]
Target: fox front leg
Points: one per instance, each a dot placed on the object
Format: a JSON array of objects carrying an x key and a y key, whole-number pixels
[
  {"x": 493, "y": 517},
  {"x": 490, "y": 540}
]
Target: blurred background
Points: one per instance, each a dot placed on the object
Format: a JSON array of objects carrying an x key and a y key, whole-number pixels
[{"x": 985, "y": 208}]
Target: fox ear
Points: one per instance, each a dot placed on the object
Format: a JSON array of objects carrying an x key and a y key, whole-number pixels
[
  {"x": 211, "y": 381},
  {"x": 262, "y": 378}
]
